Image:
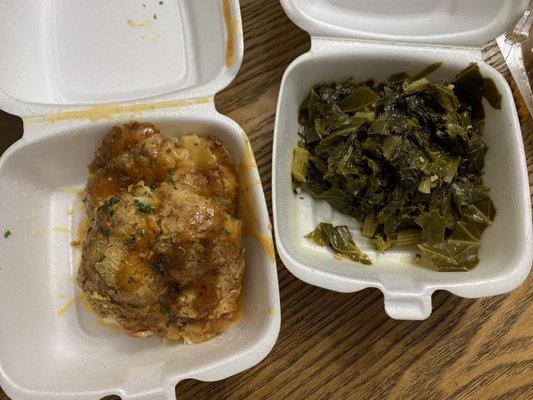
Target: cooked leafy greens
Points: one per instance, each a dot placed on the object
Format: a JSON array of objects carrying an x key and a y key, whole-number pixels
[
  {"x": 340, "y": 240},
  {"x": 405, "y": 158}
]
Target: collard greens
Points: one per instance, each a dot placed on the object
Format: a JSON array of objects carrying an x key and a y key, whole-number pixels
[
  {"x": 405, "y": 158},
  {"x": 339, "y": 239}
]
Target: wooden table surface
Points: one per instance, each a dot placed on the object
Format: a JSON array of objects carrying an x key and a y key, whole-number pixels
[{"x": 344, "y": 346}]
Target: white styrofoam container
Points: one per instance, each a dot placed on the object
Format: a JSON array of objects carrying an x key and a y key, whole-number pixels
[
  {"x": 72, "y": 70},
  {"x": 373, "y": 39}
]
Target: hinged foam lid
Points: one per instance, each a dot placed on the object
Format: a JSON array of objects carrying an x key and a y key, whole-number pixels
[
  {"x": 440, "y": 22},
  {"x": 62, "y": 55}
]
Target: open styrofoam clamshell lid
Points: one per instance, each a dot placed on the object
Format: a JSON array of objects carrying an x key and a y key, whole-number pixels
[
  {"x": 61, "y": 56},
  {"x": 438, "y": 22}
]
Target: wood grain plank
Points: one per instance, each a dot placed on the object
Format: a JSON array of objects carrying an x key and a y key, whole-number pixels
[{"x": 344, "y": 346}]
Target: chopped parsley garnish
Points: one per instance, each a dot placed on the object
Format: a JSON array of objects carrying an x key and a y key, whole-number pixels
[
  {"x": 159, "y": 267},
  {"x": 143, "y": 208},
  {"x": 129, "y": 241},
  {"x": 7, "y": 234},
  {"x": 165, "y": 308},
  {"x": 107, "y": 206}
]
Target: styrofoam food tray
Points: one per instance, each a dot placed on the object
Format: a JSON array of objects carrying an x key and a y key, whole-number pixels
[
  {"x": 373, "y": 39},
  {"x": 66, "y": 60}
]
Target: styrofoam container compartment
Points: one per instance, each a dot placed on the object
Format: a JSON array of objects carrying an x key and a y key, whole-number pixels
[
  {"x": 72, "y": 70},
  {"x": 374, "y": 39}
]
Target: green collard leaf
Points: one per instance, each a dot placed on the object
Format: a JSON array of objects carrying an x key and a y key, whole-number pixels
[
  {"x": 311, "y": 136},
  {"x": 365, "y": 115},
  {"x": 321, "y": 128},
  {"x": 340, "y": 161},
  {"x": 415, "y": 86},
  {"x": 471, "y": 87},
  {"x": 379, "y": 127},
  {"x": 300, "y": 162},
  {"x": 444, "y": 96},
  {"x": 433, "y": 228},
  {"x": 460, "y": 251},
  {"x": 317, "y": 236},
  {"x": 408, "y": 238},
  {"x": 359, "y": 98},
  {"x": 370, "y": 226},
  {"x": 407, "y": 159},
  {"x": 426, "y": 185},
  {"x": 452, "y": 257},
  {"x": 339, "y": 239},
  {"x": 381, "y": 244},
  {"x": 314, "y": 105},
  {"x": 390, "y": 146},
  {"x": 464, "y": 192},
  {"x": 491, "y": 93},
  {"x": 319, "y": 164},
  {"x": 486, "y": 206},
  {"x": 476, "y": 154},
  {"x": 445, "y": 166}
]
